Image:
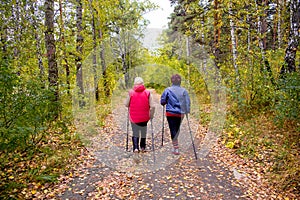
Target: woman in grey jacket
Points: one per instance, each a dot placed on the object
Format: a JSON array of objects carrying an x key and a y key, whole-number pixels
[{"x": 177, "y": 103}]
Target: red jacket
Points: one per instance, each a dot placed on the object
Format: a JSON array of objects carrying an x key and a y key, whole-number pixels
[{"x": 139, "y": 108}]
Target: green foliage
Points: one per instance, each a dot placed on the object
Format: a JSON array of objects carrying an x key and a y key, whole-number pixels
[
  {"x": 287, "y": 106},
  {"x": 26, "y": 110}
]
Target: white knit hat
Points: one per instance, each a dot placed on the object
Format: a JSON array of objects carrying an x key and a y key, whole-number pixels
[{"x": 138, "y": 81}]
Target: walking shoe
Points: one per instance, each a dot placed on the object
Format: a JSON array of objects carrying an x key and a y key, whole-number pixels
[
  {"x": 136, "y": 151},
  {"x": 143, "y": 150},
  {"x": 175, "y": 151},
  {"x": 143, "y": 144},
  {"x": 135, "y": 144}
]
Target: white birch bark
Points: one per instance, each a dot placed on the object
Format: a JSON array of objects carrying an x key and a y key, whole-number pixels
[
  {"x": 279, "y": 24},
  {"x": 37, "y": 40},
  {"x": 293, "y": 41},
  {"x": 234, "y": 46},
  {"x": 259, "y": 30}
]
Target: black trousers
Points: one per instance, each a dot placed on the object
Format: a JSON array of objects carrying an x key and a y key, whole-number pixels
[{"x": 174, "y": 126}]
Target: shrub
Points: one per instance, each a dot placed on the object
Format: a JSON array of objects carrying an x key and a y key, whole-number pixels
[{"x": 25, "y": 110}]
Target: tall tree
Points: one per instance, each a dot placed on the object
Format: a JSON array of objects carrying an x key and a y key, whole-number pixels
[
  {"x": 79, "y": 47},
  {"x": 234, "y": 47},
  {"x": 4, "y": 33},
  {"x": 262, "y": 38},
  {"x": 126, "y": 28},
  {"x": 50, "y": 46},
  {"x": 279, "y": 16},
  {"x": 63, "y": 44},
  {"x": 217, "y": 30},
  {"x": 99, "y": 17},
  {"x": 94, "y": 54},
  {"x": 37, "y": 37}
]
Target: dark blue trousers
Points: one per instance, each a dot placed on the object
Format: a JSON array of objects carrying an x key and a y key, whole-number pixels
[{"x": 174, "y": 126}]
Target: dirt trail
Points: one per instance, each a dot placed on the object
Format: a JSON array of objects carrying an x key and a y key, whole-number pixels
[{"x": 113, "y": 173}]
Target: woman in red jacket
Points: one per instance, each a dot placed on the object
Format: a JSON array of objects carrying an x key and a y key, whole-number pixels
[{"x": 141, "y": 109}]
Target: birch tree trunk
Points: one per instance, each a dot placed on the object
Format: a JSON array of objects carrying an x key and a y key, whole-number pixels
[
  {"x": 4, "y": 35},
  {"x": 16, "y": 27},
  {"x": 234, "y": 49},
  {"x": 293, "y": 41},
  {"x": 260, "y": 32},
  {"x": 38, "y": 43},
  {"x": 279, "y": 37},
  {"x": 50, "y": 46}
]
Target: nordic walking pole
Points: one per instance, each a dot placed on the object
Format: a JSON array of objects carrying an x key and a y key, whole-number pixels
[
  {"x": 127, "y": 129},
  {"x": 191, "y": 136},
  {"x": 163, "y": 126},
  {"x": 152, "y": 134}
]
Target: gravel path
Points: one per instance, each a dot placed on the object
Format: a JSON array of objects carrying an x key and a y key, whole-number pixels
[{"x": 114, "y": 173}]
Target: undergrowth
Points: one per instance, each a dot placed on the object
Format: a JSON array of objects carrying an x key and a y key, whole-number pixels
[
  {"x": 23, "y": 173},
  {"x": 275, "y": 147}
]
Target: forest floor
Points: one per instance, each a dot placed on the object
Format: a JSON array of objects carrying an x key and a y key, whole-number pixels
[{"x": 108, "y": 171}]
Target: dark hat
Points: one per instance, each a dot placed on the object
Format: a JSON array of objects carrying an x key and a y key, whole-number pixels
[{"x": 176, "y": 79}]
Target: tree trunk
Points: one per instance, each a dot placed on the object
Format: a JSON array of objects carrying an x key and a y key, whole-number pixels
[
  {"x": 250, "y": 60},
  {"x": 293, "y": 41},
  {"x": 248, "y": 35},
  {"x": 38, "y": 43},
  {"x": 234, "y": 50},
  {"x": 279, "y": 37},
  {"x": 17, "y": 28},
  {"x": 103, "y": 65},
  {"x": 217, "y": 32},
  {"x": 50, "y": 46},
  {"x": 63, "y": 43},
  {"x": 123, "y": 52},
  {"x": 261, "y": 24},
  {"x": 79, "y": 43},
  {"x": 94, "y": 55},
  {"x": 4, "y": 37},
  {"x": 262, "y": 29}
]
